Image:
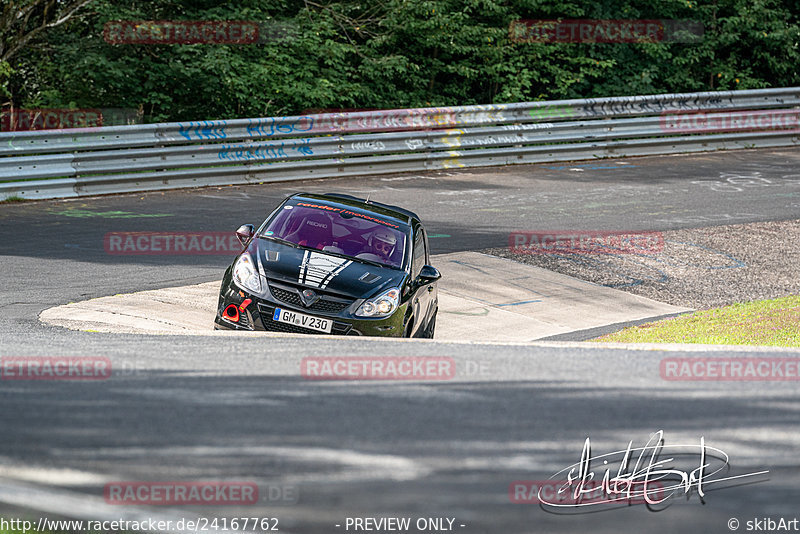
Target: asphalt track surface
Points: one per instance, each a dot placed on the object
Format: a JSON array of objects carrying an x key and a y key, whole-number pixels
[{"x": 201, "y": 408}]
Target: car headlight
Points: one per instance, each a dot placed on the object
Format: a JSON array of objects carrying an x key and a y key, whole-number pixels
[
  {"x": 245, "y": 274},
  {"x": 380, "y": 306}
]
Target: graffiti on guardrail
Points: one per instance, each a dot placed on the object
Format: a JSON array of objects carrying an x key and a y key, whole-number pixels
[
  {"x": 378, "y": 121},
  {"x": 408, "y": 119},
  {"x": 496, "y": 125},
  {"x": 265, "y": 151},
  {"x": 267, "y": 127},
  {"x": 282, "y": 125},
  {"x": 368, "y": 145},
  {"x": 679, "y": 114},
  {"x": 666, "y": 105},
  {"x": 653, "y": 105},
  {"x": 386, "y": 120},
  {"x": 302, "y": 146},
  {"x": 203, "y": 130},
  {"x": 244, "y": 152},
  {"x": 455, "y": 139},
  {"x": 556, "y": 111}
]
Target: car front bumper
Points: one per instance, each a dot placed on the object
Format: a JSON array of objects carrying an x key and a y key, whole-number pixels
[{"x": 258, "y": 314}]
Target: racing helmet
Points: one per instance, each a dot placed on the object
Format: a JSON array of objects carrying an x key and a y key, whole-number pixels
[{"x": 385, "y": 236}]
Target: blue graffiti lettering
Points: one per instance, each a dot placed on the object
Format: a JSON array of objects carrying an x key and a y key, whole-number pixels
[
  {"x": 260, "y": 152},
  {"x": 268, "y": 127},
  {"x": 304, "y": 148},
  {"x": 256, "y": 128},
  {"x": 203, "y": 130}
]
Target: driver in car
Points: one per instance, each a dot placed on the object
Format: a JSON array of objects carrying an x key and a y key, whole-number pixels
[{"x": 382, "y": 243}]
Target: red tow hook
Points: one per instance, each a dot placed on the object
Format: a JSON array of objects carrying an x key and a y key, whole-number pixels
[{"x": 231, "y": 313}]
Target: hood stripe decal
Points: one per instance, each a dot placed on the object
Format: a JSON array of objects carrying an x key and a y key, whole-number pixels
[{"x": 318, "y": 270}]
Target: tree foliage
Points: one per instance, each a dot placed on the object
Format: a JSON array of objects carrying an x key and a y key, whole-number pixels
[{"x": 382, "y": 54}]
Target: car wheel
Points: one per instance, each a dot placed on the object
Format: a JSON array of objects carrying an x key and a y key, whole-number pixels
[{"x": 431, "y": 327}]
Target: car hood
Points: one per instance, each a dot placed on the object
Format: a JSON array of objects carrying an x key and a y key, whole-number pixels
[{"x": 321, "y": 271}]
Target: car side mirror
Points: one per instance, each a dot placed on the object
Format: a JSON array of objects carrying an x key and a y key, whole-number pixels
[
  {"x": 428, "y": 274},
  {"x": 245, "y": 233}
]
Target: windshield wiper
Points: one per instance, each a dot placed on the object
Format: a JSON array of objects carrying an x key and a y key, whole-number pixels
[
  {"x": 279, "y": 240},
  {"x": 377, "y": 264}
]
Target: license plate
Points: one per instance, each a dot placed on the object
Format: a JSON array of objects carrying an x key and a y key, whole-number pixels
[{"x": 301, "y": 319}]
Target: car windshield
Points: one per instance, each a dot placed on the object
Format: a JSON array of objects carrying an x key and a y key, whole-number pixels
[{"x": 357, "y": 235}]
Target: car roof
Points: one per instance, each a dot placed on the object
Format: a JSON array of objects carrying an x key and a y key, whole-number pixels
[{"x": 387, "y": 210}]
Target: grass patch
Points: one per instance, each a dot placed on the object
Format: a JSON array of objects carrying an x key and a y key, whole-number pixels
[
  {"x": 773, "y": 322},
  {"x": 13, "y": 198}
]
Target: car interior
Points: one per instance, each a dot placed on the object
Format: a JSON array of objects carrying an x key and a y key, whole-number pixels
[{"x": 347, "y": 236}]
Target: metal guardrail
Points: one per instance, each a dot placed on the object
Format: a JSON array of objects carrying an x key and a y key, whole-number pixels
[{"x": 118, "y": 159}]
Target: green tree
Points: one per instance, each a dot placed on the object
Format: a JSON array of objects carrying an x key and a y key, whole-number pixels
[{"x": 394, "y": 53}]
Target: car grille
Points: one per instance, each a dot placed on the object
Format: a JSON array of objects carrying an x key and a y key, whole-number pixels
[
  {"x": 326, "y": 304},
  {"x": 339, "y": 328}
]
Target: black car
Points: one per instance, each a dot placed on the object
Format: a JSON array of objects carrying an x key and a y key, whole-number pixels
[{"x": 332, "y": 264}]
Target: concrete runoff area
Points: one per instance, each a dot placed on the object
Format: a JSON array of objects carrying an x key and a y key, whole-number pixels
[{"x": 481, "y": 298}]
